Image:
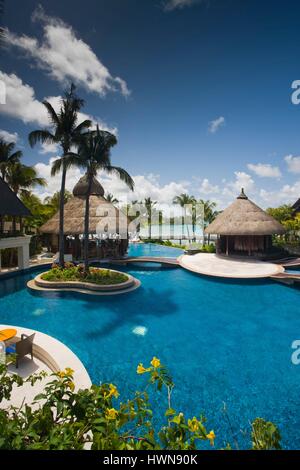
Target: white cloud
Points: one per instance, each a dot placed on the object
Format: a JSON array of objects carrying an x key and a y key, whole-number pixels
[
  {"x": 66, "y": 57},
  {"x": 208, "y": 188},
  {"x": 49, "y": 148},
  {"x": 265, "y": 170},
  {"x": 171, "y": 5},
  {"x": 242, "y": 180},
  {"x": 293, "y": 163},
  {"x": 216, "y": 124},
  {"x": 21, "y": 103},
  {"x": 9, "y": 136},
  {"x": 287, "y": 194}
]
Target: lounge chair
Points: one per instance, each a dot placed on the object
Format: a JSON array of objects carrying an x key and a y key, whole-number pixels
[{"x": 21, "y": 348}]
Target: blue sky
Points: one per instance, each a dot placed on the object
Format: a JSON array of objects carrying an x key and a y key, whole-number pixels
[{"x": 199, "y": 92}]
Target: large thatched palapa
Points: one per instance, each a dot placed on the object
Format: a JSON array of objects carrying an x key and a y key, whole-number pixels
[
  {"x": 244, "y": 228},
  {"x": 107, "y": 224}
]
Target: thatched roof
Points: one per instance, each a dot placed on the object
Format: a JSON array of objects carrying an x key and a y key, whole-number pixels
[
  {"x": 243, "y": 217},
  {"x": 80, "y": 189},
  {"x": 10, "y": 204},
  {"x": 100, "y": 211}
]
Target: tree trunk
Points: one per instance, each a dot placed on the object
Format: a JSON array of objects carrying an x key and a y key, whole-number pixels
[
  {"x": 149, "y": 226},
  {"x": 61, "y": 218},
  {"x": 86, "y": 225}
]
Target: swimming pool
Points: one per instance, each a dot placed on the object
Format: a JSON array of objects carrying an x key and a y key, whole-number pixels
[{"x": 223, "y": 341}]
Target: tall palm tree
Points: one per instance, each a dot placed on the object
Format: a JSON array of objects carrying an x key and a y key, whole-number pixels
[
  {"x": 94, "y": 155},
  {"x": 209, "y": 213},
  {"x": 149, "y": 205},
  {"x": 184, "y": 200},
  {"x": 111, "y": 198},
  {"x": 8, "y": 156},
  {"x": 65, "y": 132}
]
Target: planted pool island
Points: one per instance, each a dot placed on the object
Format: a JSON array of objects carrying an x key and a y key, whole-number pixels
[{"x": 95, "y": 281}]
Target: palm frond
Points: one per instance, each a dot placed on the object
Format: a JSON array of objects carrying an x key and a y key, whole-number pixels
[
  {"x": 83, "y": 126},
  {"x": 75, "y": 160},
  {"x": 57, "y": 166},
  {"x": 52, "y": 113},
  {"x": 42, "y": 136},
  {"x": 16, "y": 155},
  {"x": 122, "y": 174}
]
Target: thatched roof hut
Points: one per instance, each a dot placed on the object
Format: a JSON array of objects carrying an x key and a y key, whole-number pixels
[
  {"x": 244, "y": 227},
  {"x": 103, "y": 214},
  {"x": 243, "y": 217}
]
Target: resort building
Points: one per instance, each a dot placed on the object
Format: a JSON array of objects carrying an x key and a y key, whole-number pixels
[
  {"x": 244, "y": 229},
  {"x": 107, "y": 225},
  {"x": 11, "y": 235}
]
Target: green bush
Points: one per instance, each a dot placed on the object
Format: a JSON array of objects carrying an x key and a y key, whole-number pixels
[
  {"x": 209, "y": 248},
  {"x": 76, "y": 273},
  {"x": 61, "y": 418}
]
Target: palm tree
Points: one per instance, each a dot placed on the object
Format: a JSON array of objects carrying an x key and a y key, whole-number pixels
[
  {"x": 22, "y": 178},
  {"x": 54, "y": 200},
  {"x": 209, "y": 213},
  {"x": 149, "y": 205},
  {"x": 65, "y": 132},
  {"x": 94, "y": 155},
  {"x": 8, "y": 156},
  {"x": 183, "y": 201},
  {"x": 111, "y": 198}
]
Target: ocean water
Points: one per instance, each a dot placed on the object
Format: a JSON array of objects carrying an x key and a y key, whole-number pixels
[{"x": 226, "y": 343}]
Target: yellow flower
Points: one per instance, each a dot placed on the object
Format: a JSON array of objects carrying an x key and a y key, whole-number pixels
[
  {"x": 155, "y": 362},
  {"x": 65, "y": 373},
  {"x": 113, "y": 391},
  {"x": 193, "y": 424},
  {"x": 71, "y": 385},
  {"x": 141, "y": 369},
  {"x": 111, "y": 413},
  {"x": 211, "y": 437}
]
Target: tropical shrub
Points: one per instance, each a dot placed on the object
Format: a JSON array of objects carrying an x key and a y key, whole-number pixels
[
  {"x": 75, "y": 273},
  {"x": 208, "y": 248},
  {"x": 62, "y": 418}
]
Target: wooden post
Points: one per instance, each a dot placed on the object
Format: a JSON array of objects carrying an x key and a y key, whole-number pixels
[{"x": 227, "y": 245}]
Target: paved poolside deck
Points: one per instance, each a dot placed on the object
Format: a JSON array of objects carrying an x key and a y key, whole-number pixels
[
  {"x": 236, "y": 268},
  {"x": 49, "y": 355}
]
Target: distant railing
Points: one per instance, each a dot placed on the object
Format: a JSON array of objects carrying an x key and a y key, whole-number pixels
[{"x": 11, "y": 234}]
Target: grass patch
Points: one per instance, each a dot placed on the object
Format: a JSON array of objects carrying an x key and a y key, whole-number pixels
[{"x": 102, "y": 277}]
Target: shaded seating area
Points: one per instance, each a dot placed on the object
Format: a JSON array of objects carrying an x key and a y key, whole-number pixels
[
  {"x": 12, "y": 211},
  {"x": 108, "y": 225},
  {"x": 21, "y": 348},
  {"x": 244, "y": 229}
]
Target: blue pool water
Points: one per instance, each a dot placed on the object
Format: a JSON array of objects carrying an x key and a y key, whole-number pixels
[{"x": 224, "y": 342}]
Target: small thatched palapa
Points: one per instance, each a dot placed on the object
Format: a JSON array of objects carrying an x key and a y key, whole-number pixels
[
  {"x": 243, "y": 218},
  {"x": 103, "y": 214}
]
